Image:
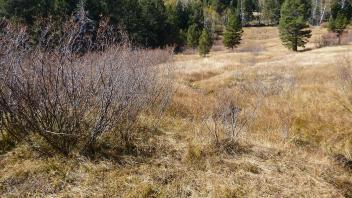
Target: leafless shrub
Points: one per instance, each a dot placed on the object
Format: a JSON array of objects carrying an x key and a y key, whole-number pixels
[
  {"x": 327, "y": 39},
  {"x": 67, "y": 97},
  {"x": 330, "y": 39},
  {"x": 228, "y": 120},
  {"x": 346, "y": 37}
]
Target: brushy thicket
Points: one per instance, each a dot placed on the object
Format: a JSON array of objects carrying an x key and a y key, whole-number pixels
[
  {"x": 58, "y": 99},
  {"x": 331, "y": 39}
]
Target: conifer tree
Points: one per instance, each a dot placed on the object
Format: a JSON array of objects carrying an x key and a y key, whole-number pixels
[
  {"x": 233, "y": 31},
  {"x": 271, "y": 11},
  {"x": 340, "y": 18},
  {"x": 293, "y": 25},
  {"x": 192, "y": 36},
  {"x": 2, "y": 8},
  {"x": 338, "y": 25},
  {"x": 205, "y": 43}
]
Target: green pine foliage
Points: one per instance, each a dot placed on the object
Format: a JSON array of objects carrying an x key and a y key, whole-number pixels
[
  {"x": 248, "y": 7},
  {"x": 2, "y": 8},
  {"x": 340, "y": 18},
  {"x": 154, "y": 20},
  {"x": 148, "y": 23},
  {"x": 271, "y": 11},
  {"x": 338, "y": 25},
  {"x": 293, "y": 25},
  {"x": 205, "y": 43},
  {"x": 233, "y": 31},
  {"x": 192, "y": 36},
  {"x": 221, "y": 5},
  {"x": 341, "y": 7},
  {"x": 159, "y": 23}
]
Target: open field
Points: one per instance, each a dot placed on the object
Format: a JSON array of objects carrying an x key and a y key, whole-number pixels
[{"x": 296, "y": 140}]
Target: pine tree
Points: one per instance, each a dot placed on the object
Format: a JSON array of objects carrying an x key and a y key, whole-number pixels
[
  {"x": 2, "y": 8},
  {"x": 192, "y": 36},
  {"x": 271, "y": 11},
  {"x": 29, "y": 10},
  {"x": 233, "y": 31},
  {"x": 154, "y": 32},
  {"x": 205, "y": 43},
  {"x": 247, "y": 7},
  {"x": 293, "y": 25},
  {"x": 339, "y": 19},
  {"x": 196, "y": 15},
  {"x": 341, "y": 7},
  {"x": 338, "y": 25}
]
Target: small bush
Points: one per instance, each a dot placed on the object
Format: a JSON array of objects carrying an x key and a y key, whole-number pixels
[
  {"x": 330, "y": 39},
  {"x": 228, "y": 120},
  {"x": 61, "y": 99},
  {"x": 194, "y": 153}
]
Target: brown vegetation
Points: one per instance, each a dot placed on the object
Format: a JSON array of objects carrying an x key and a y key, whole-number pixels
[
  {"x": 261, "y": 122},
  {"x": 58, "y": 99}
]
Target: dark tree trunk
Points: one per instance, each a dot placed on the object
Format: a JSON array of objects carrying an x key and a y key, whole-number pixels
[
  {"x": 339, "y": 38},
  {"x": 294, "y": 44},
  {"x": 294, "y": 47}
]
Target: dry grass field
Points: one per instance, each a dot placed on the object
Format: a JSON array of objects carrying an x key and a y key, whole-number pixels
[{"x": 293, "y": 133}]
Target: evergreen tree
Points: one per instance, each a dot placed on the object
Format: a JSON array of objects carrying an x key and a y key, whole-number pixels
[
  {"x": 182, "y": 14},
  {"x": 173, "y": 26},
  {"x": 205, "y": 43},
  {"x": 233, "y": 31},
  {"x": 307, "y": 7},
  {"x": 2, "y": 8},
  {"x": 192, "y": 36},
  {"x": 220, "y": 5},
  {"x": 29, "y": 10},
  {"x": 343, "y": 7},
  {"x": 247, "y": 7},
  {"x": 148, "y": 23},
  {"x": 293, "y": 25},
  {"x": 340, "y": 18},
  {"x": 271, "y": 11},
  {"x": 126, "y": 13},
  {"x": 338, "y": 25},
  {"x": 196, "y": 14},
  {"x": 153, "y": 17}
]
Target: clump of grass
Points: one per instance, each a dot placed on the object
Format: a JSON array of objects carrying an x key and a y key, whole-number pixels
[
  {"x": 144, "y": 191},
  {"x": 227, "y": 192},
  {"x": 195, "y": 154},
  {"x": 6, "y": 142}
]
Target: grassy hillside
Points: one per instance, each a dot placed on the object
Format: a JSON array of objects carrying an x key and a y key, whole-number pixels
[{"x": 294, "y": 133}]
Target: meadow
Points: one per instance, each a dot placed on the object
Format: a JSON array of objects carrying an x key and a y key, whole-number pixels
[{"x": 258, "y": 121}]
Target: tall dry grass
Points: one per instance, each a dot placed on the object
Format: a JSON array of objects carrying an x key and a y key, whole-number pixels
[{"x": 299, "y": 98}]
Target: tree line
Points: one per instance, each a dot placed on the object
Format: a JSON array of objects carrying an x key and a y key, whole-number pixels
[{"x": 192, "y": 23}]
